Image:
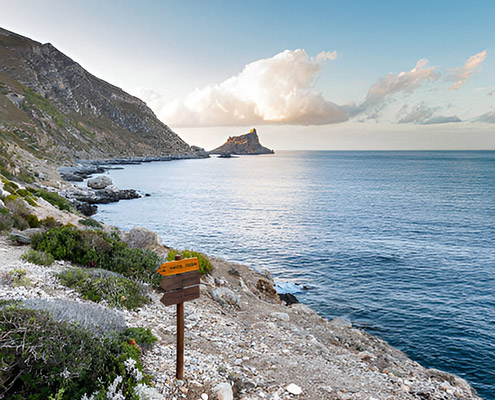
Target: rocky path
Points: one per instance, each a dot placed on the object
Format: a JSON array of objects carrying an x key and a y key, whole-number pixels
[{"x": 242, "y": 343}]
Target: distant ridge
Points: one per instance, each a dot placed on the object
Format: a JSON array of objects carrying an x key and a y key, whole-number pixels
[
  {"x": 54, "y": 109},
  {"x": 248, "y": 143}
]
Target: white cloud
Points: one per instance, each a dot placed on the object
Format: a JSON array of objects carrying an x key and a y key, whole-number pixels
[
  {"x": 275, "y": 90},
  {"x": 461, "y": 74},
  {"x": 420, "y": 113},
  {"x": 402, "y": 82}
]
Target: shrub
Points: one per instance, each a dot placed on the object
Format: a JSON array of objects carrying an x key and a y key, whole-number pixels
[
  {"x": 6, "y": 220},
  {"x": 98, "y": 285},
  {"x": 49, "y": 222},
  {"x": 142, "y": 336},
  {"x": 98, "y": 319},
  {"x": 33, "y": 221},
  {"x": 43, "y": 358},
  {"x": 53, "y": 198},
  {"x": 38, "y": 257},
  {"x": 9, "y": 185},
  {"x": 18, "y": 277},
  {"x": 91, "y": 223},
  {"x": 205, "y": 266},
  {"x": 98, "y": 249},
  {"x": 26, "y": 195}
]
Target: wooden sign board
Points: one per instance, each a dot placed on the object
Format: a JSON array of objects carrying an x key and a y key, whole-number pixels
[
  {"x": 180, "y": 281},
  {"x": 179, "y": 266},
  {"x": 180, "y": 296}
]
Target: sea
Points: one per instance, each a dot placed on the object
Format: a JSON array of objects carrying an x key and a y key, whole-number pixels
[{"x": 401, "y": 244}]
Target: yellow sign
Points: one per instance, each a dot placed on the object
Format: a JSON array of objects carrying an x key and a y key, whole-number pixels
[{"x": 179, "y": 266}]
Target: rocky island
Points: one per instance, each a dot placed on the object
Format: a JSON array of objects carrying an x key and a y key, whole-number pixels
[
  {"x": 242, "y": 145},
  {"x": 80, "y": 311}
]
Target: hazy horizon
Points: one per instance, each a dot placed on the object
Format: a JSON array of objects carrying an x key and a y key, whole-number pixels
[{"x": 318, "y": 75}]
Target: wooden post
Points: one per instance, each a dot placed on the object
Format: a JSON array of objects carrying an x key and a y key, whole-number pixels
[
  {"x": 179, "y": 374},
  {"x": 180, "y": 341}
]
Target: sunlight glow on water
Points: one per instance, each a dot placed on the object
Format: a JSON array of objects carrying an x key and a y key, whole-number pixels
[{"x": 400, "y": 242}]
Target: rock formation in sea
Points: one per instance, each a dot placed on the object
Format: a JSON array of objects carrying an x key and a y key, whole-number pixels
[{"x": 243, "y": 144}]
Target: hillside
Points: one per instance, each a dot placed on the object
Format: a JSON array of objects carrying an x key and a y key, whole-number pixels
[
  {"x": 243, "y": 144},
  {"x": 53, "y": 109}
]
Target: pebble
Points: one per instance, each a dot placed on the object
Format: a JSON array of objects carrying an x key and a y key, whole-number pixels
[{"x": 294, "y": 389}]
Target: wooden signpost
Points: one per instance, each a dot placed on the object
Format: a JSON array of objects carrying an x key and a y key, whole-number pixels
[{"x": 181, "y": 283}]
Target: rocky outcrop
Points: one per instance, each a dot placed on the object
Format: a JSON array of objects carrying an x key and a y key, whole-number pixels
[
  {"x": 55, "y": 109},
  {"x": 244, "y": 144}
]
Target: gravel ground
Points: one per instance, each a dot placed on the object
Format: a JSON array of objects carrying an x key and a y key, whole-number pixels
[{"x": 241, "y": 340}]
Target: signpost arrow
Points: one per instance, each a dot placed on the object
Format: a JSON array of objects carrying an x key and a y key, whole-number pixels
[{"x": 181, "y": 283}]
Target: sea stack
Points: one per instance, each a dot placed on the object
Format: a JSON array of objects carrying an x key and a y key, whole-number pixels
[{"x": 242, "y": 145}]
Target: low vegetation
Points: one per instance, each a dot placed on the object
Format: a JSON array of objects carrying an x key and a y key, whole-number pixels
[
  {"x": 97, "y": 249},
  {"x": 53, "y": 198},
  {"x": 42, "y": 358},
  {"x": 38, "y": 257},
  {"x": 205, "y": 266},
  {"x": 101, "y": 285}
]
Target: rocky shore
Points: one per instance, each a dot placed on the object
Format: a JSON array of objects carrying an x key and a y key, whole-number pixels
[{"x": 242, "y": 342}]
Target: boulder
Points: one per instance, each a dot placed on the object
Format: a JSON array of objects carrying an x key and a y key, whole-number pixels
[
  {"x": 224, "y": 391},
  {"x": 226, "y": 296},
  {"x": 142, "y": 238},
  {"x": 99, "y": 182}
]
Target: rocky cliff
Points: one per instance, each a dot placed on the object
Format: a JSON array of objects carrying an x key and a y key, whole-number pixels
[
  {"x": 53, "y": 108},
  {"x": 244, "y": 144}
]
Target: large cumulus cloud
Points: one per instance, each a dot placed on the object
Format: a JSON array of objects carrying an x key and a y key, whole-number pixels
[{"x": 277, "y": 90}]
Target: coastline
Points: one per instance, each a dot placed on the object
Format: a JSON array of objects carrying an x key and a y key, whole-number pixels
[{"x": 252, "y": 342}]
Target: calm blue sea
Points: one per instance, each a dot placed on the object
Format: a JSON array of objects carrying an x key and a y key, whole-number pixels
[{"x": 401, "y": 243}]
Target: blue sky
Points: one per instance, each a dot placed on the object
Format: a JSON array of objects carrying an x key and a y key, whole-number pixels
[{"x": 390, "y": 74}]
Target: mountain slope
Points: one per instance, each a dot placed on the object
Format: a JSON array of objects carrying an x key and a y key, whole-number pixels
[
  {"x": 53, "y": 107},
  {"x": 243, "y": 144}
]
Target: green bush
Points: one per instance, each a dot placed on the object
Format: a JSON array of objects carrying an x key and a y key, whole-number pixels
[
  {"x": 142, "y": 336},
  {"x": 17, "y": 277},
  {"x": 91, "y": 223},
  {"x": 6, "y": 220},
  {"x": 38, "y": 257},
  {"x": 33, "y": 221},
  {"x": 96, "y": 286},
  {"x": 205, "y": 266},
  {"x": 53, "y": 198},
  {"x": 43, "y": 358},
  {"x": 98, "y": 249}
]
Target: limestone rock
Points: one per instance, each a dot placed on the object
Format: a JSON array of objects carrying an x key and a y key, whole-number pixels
[
  {"x": 142, "y": 238},
  {"x": 294, "y": 389},
  {"x": 99, "y": 182},
  {"x": 224, "y": 391},
  {"x": 224, "y": 296}
]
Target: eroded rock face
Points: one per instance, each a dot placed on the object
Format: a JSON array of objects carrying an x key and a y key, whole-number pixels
[
  {"x": 244, "y": 144},
  {"x": 81, "y": 116},
  {"x": 99, "y": 182}
]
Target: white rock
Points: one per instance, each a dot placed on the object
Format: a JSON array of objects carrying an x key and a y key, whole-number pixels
[
  {"x": 99, "y": 182},
  {"x": 280, "y": 315},
  {"x": 224, "y": 295},
  {"x": 294, "y": 389},
  {"x": 204, "y": 396},
  {"x": 224, "y": 391}
]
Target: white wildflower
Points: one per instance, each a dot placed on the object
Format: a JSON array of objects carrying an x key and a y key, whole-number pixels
[
  {"x": 65, "y": 373},
  {"x": 130, "y": 364},
  {"x": 112, "y": 393}
]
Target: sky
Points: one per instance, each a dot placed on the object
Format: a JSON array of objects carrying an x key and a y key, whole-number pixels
[{"x": 312, "y": 75}]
